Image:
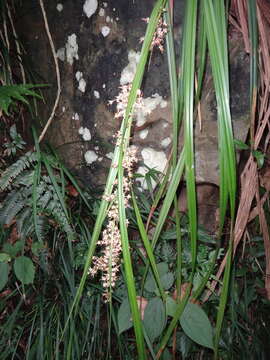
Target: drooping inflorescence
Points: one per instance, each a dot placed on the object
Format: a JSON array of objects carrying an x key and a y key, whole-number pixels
[
  {"x": 108, "y": 263},
  {"x": 159, "y": 35}
]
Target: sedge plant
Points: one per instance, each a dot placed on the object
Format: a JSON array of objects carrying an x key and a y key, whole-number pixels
[
  {"x": 211, "y": 36},
  {"x": 72, "y": 328}
]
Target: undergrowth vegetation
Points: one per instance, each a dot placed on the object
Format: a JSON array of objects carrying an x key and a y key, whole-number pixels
[{"x": 126, "y": 275}]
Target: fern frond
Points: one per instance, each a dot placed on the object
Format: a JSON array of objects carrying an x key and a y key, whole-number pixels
[
  {"x": 42, "y": 227},
  {"x": 14, "y": 203},
  {"x": 23, "y": 218},
  {"x": 25, "y": 179},
  {"x": 16, "y": 169},
  {"x": 11, "y": 93},
  {"x": 44, "y": 200},
  {"x": 56, "y": 211}
]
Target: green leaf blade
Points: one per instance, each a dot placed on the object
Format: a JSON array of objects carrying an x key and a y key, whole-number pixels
[
  {"x": 4, "y": 270},
  {"x": 124, "y": 317},
  {"x": 154, "y": 318},
  {"x": 197, "y": 326},
  {"x": 24, "y": 269}
]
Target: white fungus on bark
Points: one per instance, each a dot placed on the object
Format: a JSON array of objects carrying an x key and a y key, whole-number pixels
[
  {"x": 109, "y": 155},
  {"x": 148, "y": 105},
  {"x": 85, "y": 133},
  {"x": 90, "y": 156},
  {"x": 81, "y": 81},
  {"x": 166, "y": 142},
  {"x": 101, "y": 12},
  {"x": 96, "y": 94},
  {"x": 143, "y": 133},
  {"x": 82, "y": 85},
  {"x": 59, "y": 7},
  {"x": 61, "y": 54},
  {"x": 105, "y": 30},
  {"x": 128, "y": 72},
  {"x": 90, "y": 7},
  {"x": 75, "y": 117},
  {"x": 72, "y": 49}
]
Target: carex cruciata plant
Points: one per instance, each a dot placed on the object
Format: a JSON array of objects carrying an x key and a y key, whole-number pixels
[{"x": 126, "y": 275}]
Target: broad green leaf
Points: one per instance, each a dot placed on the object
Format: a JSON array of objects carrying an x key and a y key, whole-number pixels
[
  {"x": 154, "y": 318},
  {"x": 24, "y": 269},
  {"x": 163, "y": 268},
  {"x": 13, "y": 250},
  {"x": 4, "y": 270},
  {"x": 124, "y": 317},
  {"x": 166, "y": 278},
  {"x": 4, "y": 257},
  {"x": 197, "y": 326},
  {"x": 18, "y": 246},
  {"x": 170, "y": 306}
]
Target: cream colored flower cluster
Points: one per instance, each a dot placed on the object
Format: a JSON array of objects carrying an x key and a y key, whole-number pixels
[
  {"x": 159, "y": 35},
  {"x": 108, "y": 263},
  {"x": 122, "y": 100}
]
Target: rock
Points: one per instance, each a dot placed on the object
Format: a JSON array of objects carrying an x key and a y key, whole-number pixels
[{"x": 105, "y": 59}]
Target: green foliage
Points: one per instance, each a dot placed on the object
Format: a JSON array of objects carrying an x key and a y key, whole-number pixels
[
  {"x": 154, "y": 318},
  {"x": 62, "y": 316},
  {"x": 124, "y": 319},
  {"x": 10, "y": 94},
  {"x": 194, "y": 322},
  {"x": 41, "y": 256},
  {"x": 19, "y": 201},
  {"x": 16, "y": 169},
  {"x": 24, "y": 269},
  {"x": 4, "y": 270},
  {"x": 17, "y": 142},
  {"x": 197, "y": 326},
  {"x": 166, "y": 278}
]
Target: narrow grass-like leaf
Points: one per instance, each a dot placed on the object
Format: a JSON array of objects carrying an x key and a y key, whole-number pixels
[
  {"x": 201, "y": 53},
  {"x": 176, "y": 122},
  {"x": 253, "y": 34},
  {"x": 174, "y": 183},
  {"x": 173, "y": 82},
  {"x": 159, "y": 194},
  {"x": 216, "y": 36},
  {"x": 148, "y": 247},
  {"x": 188, "y": 88},
  {"x": 130, "y": 282},
  {"x": 75, "y": 184}
]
